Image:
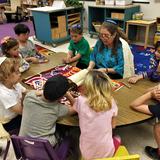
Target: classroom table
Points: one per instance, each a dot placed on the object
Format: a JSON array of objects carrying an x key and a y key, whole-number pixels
[{"x": 124, "y": 96}]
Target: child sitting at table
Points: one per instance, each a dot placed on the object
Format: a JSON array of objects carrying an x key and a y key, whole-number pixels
[
  {"x": 154, "y": 72},
  {"x": 79, "y": 49},
  {"x": 97, "y": 111},
  {"x": 42, "y": 109},
  {"x": 9, "y": 47},
  {"x": 11, "y": 93},
  {"x": 141, "y": 104},
  {"x": 26, "y": 46}
]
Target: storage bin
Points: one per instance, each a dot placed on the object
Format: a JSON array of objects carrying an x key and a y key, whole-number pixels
[
  {"x": 123, "y": 2},
  {"x": 115, "y": 15},
  {"x": 96, "y": 26},
  {"x": 156, "y": 37},
  {"x": 138, "y": 16},
  {"x": 109, "y": 2}
]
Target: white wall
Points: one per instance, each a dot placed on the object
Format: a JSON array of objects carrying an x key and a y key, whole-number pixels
[{"x": 151, "y": 10}]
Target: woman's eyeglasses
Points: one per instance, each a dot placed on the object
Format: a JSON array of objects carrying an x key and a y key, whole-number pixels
[{"x": 106, "y": 36}]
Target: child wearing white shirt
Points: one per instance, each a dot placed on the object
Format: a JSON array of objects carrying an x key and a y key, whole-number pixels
[{"x": 11, "y": 93}]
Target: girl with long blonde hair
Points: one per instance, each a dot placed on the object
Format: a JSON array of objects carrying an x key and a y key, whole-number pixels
[{"x": 97, "y": 111}]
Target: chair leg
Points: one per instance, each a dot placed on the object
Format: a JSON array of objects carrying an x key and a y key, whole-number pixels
[
  {"x": 63, "y": 148},
  {"x": 6, "y": 150}
]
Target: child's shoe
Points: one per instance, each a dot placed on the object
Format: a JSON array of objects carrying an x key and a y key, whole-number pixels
[{"x": 152, "y": 152}]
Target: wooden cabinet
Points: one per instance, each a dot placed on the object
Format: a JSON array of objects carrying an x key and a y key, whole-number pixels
[
  {"x": 120, "y": 14},
  {"x": 52, "y": 25}
]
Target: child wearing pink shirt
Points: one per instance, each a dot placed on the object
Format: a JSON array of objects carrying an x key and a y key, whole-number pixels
[{"x": 97, "y": 112}]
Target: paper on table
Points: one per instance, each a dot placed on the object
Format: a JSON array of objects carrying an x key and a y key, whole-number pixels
[{"x": 79, "y": 77}]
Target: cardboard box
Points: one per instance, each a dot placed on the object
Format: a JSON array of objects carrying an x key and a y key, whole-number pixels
[
  {"x": 62, "y": 23},
  {"x": 120, "y": 15},
  {"x": 109, "y": 2},
  {"x": 117, "y": 15},
  {"x": 123, "y": 2},
  {"x": 114, "y": 15},
  {"x": 61, "y": 19},
  {"x": 55, "y": 33},
  {"x": 63, "y": 34}
]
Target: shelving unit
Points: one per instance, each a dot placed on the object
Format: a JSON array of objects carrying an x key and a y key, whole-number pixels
[
  {"x": 120, "y": 14},
  {"x": 56, "y": 23},
  {"x": 25, "y": 4}
]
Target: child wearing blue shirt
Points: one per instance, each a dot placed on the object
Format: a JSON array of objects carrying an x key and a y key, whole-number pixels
[{"x": 107, "y": 55}]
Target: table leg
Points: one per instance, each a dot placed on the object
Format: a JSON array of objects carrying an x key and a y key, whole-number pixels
[
  {"x": 127, "y": 27},
  {"x": 137, "y": 34},
  {"x": 146, "y": 36}
]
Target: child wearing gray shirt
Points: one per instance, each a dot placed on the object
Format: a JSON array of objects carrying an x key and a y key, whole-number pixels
[{"x": 42, "y": 109}]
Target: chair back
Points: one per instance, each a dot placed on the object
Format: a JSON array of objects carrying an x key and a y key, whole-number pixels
[
  {"x": 37, "y": 149},
  {"x": 122, "y": 154},
  {"x": 129, "y": 157}
]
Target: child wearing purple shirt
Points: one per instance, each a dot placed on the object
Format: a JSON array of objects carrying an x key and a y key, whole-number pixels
[{"x": 154, "y": 72}]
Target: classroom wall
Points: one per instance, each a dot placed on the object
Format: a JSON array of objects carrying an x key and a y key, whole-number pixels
[{"x": 150, "y": 10}]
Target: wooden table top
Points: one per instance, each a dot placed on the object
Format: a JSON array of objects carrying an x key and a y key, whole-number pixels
[
  {"x": 141, "y": 22},
  {"x": 54, "y": 60},
  {"x": 123, "y": 97}
]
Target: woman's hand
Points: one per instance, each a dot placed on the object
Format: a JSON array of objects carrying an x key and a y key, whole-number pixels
[{"x": 104, "y": 70}]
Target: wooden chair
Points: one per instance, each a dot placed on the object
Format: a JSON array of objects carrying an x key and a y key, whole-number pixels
[{"x": 122, "y": 154}]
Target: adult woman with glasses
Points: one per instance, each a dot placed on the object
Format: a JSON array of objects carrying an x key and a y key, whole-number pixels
[{"x": 111, "y": 53}]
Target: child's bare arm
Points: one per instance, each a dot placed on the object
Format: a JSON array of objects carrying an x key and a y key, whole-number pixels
[
  {"x": 113, "y": 122},
  {"x": 17, "y": 108},
  {"x": 152, "y": 88},
  {"x": 32, "y": 59},
  {"x": 91, "y": 65},
  {"x": 141, "y": 100},
  {"x": 69, "y": 54},
  {"x": 75, "y": 58},
  {"x": 135, "y": 79},
  {"x": 70, "y": 98},
  {"x": 140, "y": 104}
]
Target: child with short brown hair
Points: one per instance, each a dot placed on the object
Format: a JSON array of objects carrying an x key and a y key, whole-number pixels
[{"x": 79, "y": 49}]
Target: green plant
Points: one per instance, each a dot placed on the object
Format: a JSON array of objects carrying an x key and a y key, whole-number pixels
[{"x": 73, "y": 3}]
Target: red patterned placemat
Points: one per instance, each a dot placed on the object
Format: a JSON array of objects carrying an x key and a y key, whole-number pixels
[{"x": 37, "y": 81}]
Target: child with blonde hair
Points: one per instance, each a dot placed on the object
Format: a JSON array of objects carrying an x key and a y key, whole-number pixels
[
  {"x": 97, "y": 112},
  {"x": 12, "y": 93},
  {"x": 10, "y": 49}
]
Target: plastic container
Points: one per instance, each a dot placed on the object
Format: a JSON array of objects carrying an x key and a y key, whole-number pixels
[{"x": 96, "y": 26}]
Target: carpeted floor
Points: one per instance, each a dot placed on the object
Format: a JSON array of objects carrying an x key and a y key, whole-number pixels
[{"x": 7, "y": 29}]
